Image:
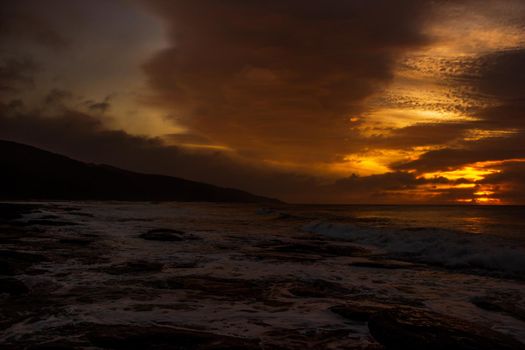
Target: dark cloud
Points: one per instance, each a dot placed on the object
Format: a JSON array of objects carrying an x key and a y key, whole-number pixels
[
  {"x": 24, "y": 20},
  {"x": 501, "y": 75},
  {"x": 57, "y": 97},
  {"x": 393, "y": 187},
  {"x": 505, "y": 115},
  {"x": 420, "y": 134},
  {"x": 487, "y": 149},
  {"x": 280, "y": 78},
  {"x": 509, "y": 183},
  {"x": 187, "y": 138},
  {"x": 498, "y": 78},
  {"x": 276, "y": 82},
  {"x": 381, "y": 188},
  {"x": 101, "y": 106},
  {"x": 16, "y": 74},
  {"x": 502, "y": 80},
  {"x": 84, "y": 137}
]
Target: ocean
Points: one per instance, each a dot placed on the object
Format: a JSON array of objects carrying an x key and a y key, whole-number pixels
[{"x": 273, "y": 273}]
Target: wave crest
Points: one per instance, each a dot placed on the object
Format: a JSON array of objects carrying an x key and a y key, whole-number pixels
[{"x": 441, "y": 247}]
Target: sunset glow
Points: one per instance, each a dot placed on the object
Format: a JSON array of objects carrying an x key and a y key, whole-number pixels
[
  {"x": 417, "y": 102},
  {"x": 262, "y": 174},
  {"x": 469, "y": 173}
]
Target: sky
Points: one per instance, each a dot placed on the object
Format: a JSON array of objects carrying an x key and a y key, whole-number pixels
[{"x": 333, "y": 101}]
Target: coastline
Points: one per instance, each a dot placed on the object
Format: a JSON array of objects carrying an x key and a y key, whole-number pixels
[{"x": 117, "y": 274}]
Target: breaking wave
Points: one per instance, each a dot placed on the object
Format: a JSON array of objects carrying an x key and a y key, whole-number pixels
[{"x": 435, "y": 246}]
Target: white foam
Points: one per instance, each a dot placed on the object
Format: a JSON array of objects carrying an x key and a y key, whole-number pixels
[{"x": 435, "y": 246}]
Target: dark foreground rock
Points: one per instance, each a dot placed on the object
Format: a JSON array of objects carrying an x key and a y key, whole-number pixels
[
  {"x": 321, "y": 248},
  {"x": 316, "y": 288},
  {"x": 318, "y": 338},
  {"x": 167, "y": 235},
  {"x": 358, "y": 312},
  {"x": 503, "y": 303},
  {"x": 158, "y": 338},
  {"x": 412, "y": 329},
  {"x": 75, "y": 241},
  {"x": 216, "y": 288},
  {"x": 270, "y": 292},
  {"x": 116, "y": 337},
  {"x": 302, "y": 250},
  {"x": 134, "y": 267},
  {"x": 48, "y": 222},
  {"x": 13, "y": 211},
  {"x": 15, "y": 262},
  {"x": 5, "y": 268},
  {"x": 12, "y": 286},
  {"x": 383, "y": 264}
]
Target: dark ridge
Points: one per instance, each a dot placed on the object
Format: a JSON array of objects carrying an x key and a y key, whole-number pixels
[{"x": 32, "y": 173}]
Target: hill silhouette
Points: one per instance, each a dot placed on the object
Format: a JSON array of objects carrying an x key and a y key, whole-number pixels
[{"x": 32, "y": 173}]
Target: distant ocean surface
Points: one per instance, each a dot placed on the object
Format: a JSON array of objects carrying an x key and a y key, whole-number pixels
[
  {"x": 489, "y": 238},
  {"x": 500, "y": 221},
  {"x": 271, "y": 272}
]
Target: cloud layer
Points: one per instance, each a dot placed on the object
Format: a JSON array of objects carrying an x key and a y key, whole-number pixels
[
  {"x": 280, "y": 79},
  {"x": 333, "y": 101}
]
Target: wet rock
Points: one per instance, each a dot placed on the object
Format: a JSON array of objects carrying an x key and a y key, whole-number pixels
[
  {"x": 14, "y": 262},
  {"x": 413, "y": 329},
  {"x": 318, "y": 238},
  {"x": 225, "y": 288},
  {"x": 10, "y": 237},
  {"x": 396, "y": 300},
  {"x": 86, "y": 215},
  {"x": 45, "y": 222},
  {"x": 306, "y": 251},
  {"x": 284, "y": 257},
  {"x": 184, "y": 264},
  {"x": 166, "y": 235},
  {"x": 52, "y": 346},
  {"x": 6, "y": 269},
  {"x": 134, "y": 220},
  {"x": 12, "y": 211},
  {"x": 358, "y": 312},
  {"x": 503, "y": 303},
  {"x": 160, "y": 338},
  {"x": 131, "y": 267},
  {"x": 317, "y": 288},
  {"x": 301, "y": 339},
  {"x": 322, "y": 249},
  {"x": 70, "y": 209},
  {"x": 150, "y": 307},
  {"x": 383, "y": 264},
  {"x": 270, "y": 292},
  {"x": 12, "y": 286},
  {"x": 218, "y": 287},
  {"x": 116, "y": 337},
  {"x": 344, "y": 250},
  {"x": 75, "y": 241},
  {"x": 288, "y": 216},
  {"x": 21, "y": 256},
  {"x": 49, "y": 217}
]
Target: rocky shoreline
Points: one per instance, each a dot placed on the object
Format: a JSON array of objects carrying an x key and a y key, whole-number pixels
[{"x": 65, "y": 284}]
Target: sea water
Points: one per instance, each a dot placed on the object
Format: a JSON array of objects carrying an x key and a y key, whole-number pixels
[{"x": 451, "y": 255}]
